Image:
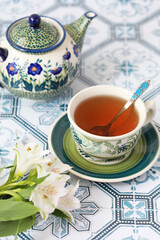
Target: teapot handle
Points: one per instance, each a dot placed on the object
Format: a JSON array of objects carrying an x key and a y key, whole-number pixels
[
  {"x": 3, "y": 49},
  {"x": 3, "y": 54}
]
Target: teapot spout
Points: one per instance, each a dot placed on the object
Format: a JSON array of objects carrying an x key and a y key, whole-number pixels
[{"x": 78, "y": 28}]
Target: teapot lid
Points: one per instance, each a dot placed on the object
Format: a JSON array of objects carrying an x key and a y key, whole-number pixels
[{"x": 35, "y": 34}]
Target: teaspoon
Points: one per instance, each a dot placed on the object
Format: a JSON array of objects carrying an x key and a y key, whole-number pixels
[{"x": 104, "y": 130}]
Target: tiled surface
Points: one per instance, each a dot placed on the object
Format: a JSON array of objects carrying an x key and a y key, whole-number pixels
[{"x": 122, "y": 47}]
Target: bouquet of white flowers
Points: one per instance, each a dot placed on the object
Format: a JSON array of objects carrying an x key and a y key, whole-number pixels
[{"x": 43, "y": 189}]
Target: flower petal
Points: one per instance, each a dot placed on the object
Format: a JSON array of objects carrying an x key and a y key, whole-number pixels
[{"x": 69, "y": 202}]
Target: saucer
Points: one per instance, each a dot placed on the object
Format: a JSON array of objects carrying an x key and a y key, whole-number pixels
[{"x": 141, "y": 159}]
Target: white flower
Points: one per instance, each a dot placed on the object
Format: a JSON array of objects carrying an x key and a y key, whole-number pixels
[
  {"x": 46, "y": 195},
  {"x": 69, "y": 202},
  {"x": 28, "y": 157},
  {"x": 55, "y": 166}
]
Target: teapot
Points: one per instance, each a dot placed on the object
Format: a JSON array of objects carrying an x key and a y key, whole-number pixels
[{"x": 39, "y": 57}]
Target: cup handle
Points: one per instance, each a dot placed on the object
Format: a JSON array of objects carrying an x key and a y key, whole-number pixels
[{"x": 151, "y": 110}]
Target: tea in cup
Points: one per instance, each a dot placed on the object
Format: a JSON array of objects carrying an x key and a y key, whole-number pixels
[{"x": 96, "y": 106}]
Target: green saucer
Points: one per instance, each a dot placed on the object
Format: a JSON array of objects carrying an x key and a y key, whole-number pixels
[{"x": 141, "y": 159}]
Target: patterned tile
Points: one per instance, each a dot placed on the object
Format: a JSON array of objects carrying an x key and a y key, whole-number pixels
[
  {"x": 134, "y": 209},
  {"x": 6, "y": 105},
  {"x": 121, "y": 47},
  {"x": 122, "y": 65},
  {"x": 129, "y": 10},
  {"x": 20, "y": 8},
  {"x": 125, "y": 31}
]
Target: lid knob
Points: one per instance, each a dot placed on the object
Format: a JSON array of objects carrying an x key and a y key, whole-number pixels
[{"x": 34, "y": 21}]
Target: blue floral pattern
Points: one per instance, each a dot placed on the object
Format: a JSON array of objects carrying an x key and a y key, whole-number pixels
[
  {"x": 34, "y": 69},
  {"x": 53, "y": 76},
  {"x": 56, "y": 70},
  {"x": 12, "y": 68},
  {"x": 67, "y": 55},
  {"x": 75, "y": 48}
]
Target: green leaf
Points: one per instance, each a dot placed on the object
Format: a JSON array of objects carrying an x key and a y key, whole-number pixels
[
  {"x": 13, "y": 194},
  {"x": 1, "y": 169},
  {"x": 59, "y": 213},
  {"x": 40, "y": 180},
  {"x": 15, "y": 210},
  {"x": 28, "y": 86},
  {"x": 5, "y": 79},
  {"x": 32, "y": 174},
  {"x": 27, "y": 192},
  {"x": 16, "y": 185},
  {"x": 13, "y": 169},
  {"x": 13, "y": 227},
  {"x": 11, "y": 174}
]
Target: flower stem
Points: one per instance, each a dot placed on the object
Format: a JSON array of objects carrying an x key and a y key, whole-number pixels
[{"x": 15, "y": 184}]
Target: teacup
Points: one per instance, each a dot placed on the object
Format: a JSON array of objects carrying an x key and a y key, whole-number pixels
[{"x": 108, "y": 147}]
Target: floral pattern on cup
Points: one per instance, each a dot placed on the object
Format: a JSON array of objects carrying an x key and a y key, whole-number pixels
[
  {"x": 12, "y": 68},
  {"x": 107, "y": 148}
]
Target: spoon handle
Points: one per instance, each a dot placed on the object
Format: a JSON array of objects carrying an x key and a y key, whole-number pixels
[
  {"x": 140, "y": 90},
  {"x": 143, "y": 87}
]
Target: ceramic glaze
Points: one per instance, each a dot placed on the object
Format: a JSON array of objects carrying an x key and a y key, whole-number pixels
[
  {"x": 41, "y": 38},
  {"x": 39, "y": 57},
  {"x": 110, "y": 147},
  {"x": 142, "y": 157}
]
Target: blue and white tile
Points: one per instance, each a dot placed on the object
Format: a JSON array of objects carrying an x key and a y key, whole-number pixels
[
  {"x": 130, "y": 223},
  {"x": 121, "y": 47},
  {"x": 114, "y": 231},
  {"x": 129, "y": 10},
  {"x": 85, "y": 219},
  {"x": 70, "y": 14},
  {"x": 133, "y": 233},
  {"x": 78, "y": 84},
  {"x": 122, "y": 65},
  {"x": 147, "y": 232},
  {"x": 15, "y": 9},
  {"x": 157, "y": 115},
  {"x": 41, "y": 114},
  {"x": 156, "y": 204},
  {"x": 70, "y": 2},
  {"x": 103, "y": 198},
  {"x": 150, "y": 31}
]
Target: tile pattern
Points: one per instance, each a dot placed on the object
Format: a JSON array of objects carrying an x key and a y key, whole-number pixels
[{"x": 121, "y": 47}]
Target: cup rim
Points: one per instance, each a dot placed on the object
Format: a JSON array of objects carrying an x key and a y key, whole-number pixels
[{"x": 105, "y": 138}]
